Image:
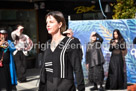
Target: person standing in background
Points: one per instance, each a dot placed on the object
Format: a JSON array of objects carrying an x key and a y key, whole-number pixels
[
  {"x": 7, "y": 67},
  {"x": 116, "y": 78},
  {"x": 69, "y": 33},
  {"x": 95, "y": 61},
  {"x": 23, "y": 44}
]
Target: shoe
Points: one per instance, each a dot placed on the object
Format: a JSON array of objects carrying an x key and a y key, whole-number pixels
[
  {"x": 94, "y": 88},
  {"x": 101, "y": 89},
  {"x": 21, "y": 81},
  {"x": 14, "y": 88}
]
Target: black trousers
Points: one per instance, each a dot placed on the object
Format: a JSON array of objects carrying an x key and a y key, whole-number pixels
[
  {"x": 20, "y": 63},
  {"x": 58, "y": 84}
]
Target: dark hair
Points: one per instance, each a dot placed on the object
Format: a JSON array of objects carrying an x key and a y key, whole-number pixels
[
  {"x": 59, "y": 18},
  {"x": 120, "y": 37}
]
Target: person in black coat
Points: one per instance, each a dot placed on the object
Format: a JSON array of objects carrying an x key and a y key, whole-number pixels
[
  {"x": 61, "y": 59},
  {"x": 116, "y": 78},
  {"x": 95, "y": 61}
]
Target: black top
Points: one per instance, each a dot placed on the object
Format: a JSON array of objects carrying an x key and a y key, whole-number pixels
[
  {"x": 62, "y": 62},
  {"x": 120, "y": 45},
  {"x": 79, "y": 47},
  {"x": 94, "y": 55}
]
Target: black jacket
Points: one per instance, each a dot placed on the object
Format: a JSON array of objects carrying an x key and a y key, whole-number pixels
[
  {"x": 61, "y": 64},
  {"x": 94, "y": 55}
]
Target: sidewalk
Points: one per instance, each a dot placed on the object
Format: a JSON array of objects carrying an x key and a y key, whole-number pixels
[{"x": 33, "y": 82}]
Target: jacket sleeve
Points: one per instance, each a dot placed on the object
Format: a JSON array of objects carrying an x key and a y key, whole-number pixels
[
  {"x": 43, "y": 78},
  {"x": 99, "y": 37},
  {"x": 79, "y": 48},
  {"x": 111, "y": 46},
  {"x": 11, "y": 46},
  {"x": 77, "y": 67},
  {"x": 87, "y": 54},
  {"x": 43, "y": 75},
  {"x": 29, "y": 43},
  {"x": 122, "y": 45},
  {"x": 13, "y": 34}
]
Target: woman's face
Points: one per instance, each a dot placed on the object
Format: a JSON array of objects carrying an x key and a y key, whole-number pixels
[
  {"x": 93, "y": 38},
  {"x": 52, "y": 25},
  {"x": 115, "y": 35},
  {"x": 2, "y": 37}
]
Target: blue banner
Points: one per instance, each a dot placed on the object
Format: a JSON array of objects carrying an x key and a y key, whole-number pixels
[{"x": 83, "y": 28}]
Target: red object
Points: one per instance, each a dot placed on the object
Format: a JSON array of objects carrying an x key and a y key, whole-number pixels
[
  {"x": 131, "y": 88},
  {"x": 1, "y": 64}
]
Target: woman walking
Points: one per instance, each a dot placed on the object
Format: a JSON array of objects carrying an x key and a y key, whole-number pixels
[{"x": 60, "y": 58}]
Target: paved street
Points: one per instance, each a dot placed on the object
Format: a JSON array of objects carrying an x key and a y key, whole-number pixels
[
  {"x": 32, "y": 81},
  {"x": 33, "y": 78}
]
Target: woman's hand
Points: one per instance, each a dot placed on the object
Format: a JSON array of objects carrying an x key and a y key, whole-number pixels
[
  {"x": 114, "y": 43},
  {"x": 1, "y": 42},
  {"x": 6, "y": 44},
  {"x": 116, "y": 40}
]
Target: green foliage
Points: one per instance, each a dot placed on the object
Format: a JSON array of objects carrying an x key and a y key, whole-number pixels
[{"x": 124, "y": 9}]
